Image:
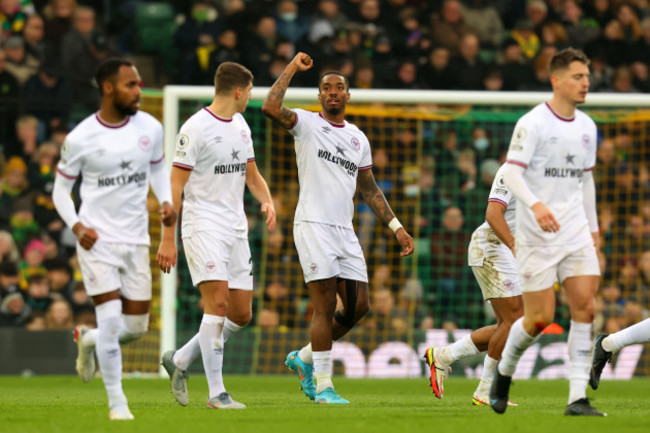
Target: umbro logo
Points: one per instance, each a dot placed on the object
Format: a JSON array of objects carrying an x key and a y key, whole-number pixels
[{"x": 327, "y": 129}]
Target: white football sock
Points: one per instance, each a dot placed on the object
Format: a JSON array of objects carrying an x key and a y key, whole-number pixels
[
  {"x": 517, "y": 343},
  {"x": 229, "y": 328},
  {"x": 89, "y": 340},
  {"x": 109, "y": 322},
  {"x": 639, "y": 333},
  {"x": 580, "y": 354},
  {"x": 323, "y": 370},
  {"x": 134, "y": 327},
  {"x": 305, "y": 354},
  {"x": 462, "y": 348},
  {"x": 211, "y": 342},
  {"x": 489, "y": 367},
  {"x": 184, "y": 356}
]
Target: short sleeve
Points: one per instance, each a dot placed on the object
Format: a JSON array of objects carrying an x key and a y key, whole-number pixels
[
  {"x": 366, "y": 156},
  {"x": 301, "y": 117},
  {"x": 71, "y": 161},
  {"x": 590, "y": 161},
  {"x": 158, "y": 154},
  {"x": 188, "y": 144},
  {"x": 250, "y": 154},
  {"x": 523, "y": 143},
  {"x": 500, "y": 193}
]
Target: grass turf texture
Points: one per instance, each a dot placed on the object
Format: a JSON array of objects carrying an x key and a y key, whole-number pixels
[{"x": 65, "y": 404}]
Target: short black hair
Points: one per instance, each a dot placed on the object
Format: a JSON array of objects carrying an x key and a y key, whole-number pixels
[
  {"x": 333, "y": 72},
  {"x": 108, "y": 68},
  {"x": 562, "y": 59}
]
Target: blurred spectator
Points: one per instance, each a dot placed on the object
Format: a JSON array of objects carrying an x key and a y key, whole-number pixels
[
  {"x": 630, "y": 22},
  {"x": 407, "y": 76},
  {"x": 384, "y": 62},
  {"x": 484, "y": 19},
  {"x": 59, "y": 275},
  {"x": 9, "y": 278},
  {"x": 621, "y": 81},
  {"x": 640, "y": 77},
  {"x": 84, "y": 46},
  {"x": 58, "y": 16},
  {"x": 8, "y": 250},
  {"x": 36, "y": 321},
  {"x": 268, "y": 318},
  {"x": 541, "y": 76},
  {"x": 600, "y": 11},
  {"x": 279, "y": 299},
  {"x": 15, "y": 178},
  {"x": 536, "y": 14},
  {"x": 610, "y": 46},
  {"x": 9, "y": 100},
  {"x": 47, "y": 96},
  {"x": 641, "y": 48},
  {"x": 289, "y": 22},
  {"x": 225, "y": 51},
  {"x": 80, "y": 300},
  {"x": 436, "y": 71},
  {"x": 14, "y": 311},
  {"x": 554, "y": 33},
  {"x": 579, "y": 30},
  {"x": 411, "y": 301},
  {"x": 41, "y": 179},
  {"x": 195, "y": 40},
  {"x": 32, "y": 265},
  {"x": 384, "y": 315},
  {"x": 448, "y": 26},
  {"x": 33, "y": 35},
  {"x": 38, "y": 293},
  {"x": 364, "y": 77},
  {"x": 13, "y": 14},
  {"x": 26, "y": 141},
  {"x": 59, "y": 315},
  {"x": 526, "y": 38},
  {"x": 17, "y": 62},
  {"x": 515, "y": 72},
  {"x": 467, "y": 69},
  {"x": 329, "y": 10},
  {"x": 258, "y": 48},
  {"x": 51, "y": 246},
  {"x": 601, "y": 74},
  {"x": 408, "y": 32},
  {"x": 613, "y": 311},
  {"x": 21, "y": 223}
]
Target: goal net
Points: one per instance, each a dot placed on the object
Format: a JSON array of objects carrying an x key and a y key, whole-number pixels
[{"x": 433, "y": 154}]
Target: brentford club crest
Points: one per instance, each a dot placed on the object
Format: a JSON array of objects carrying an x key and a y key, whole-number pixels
[
  {"x": 313, "y": 267},
  {"x": 210, "y": 265},
  {"x": 144, "y": 142},
  {"x": 585, "y": 141},
  {"x": 355, "y": 143},
  {"x": 244, "y": 136}
]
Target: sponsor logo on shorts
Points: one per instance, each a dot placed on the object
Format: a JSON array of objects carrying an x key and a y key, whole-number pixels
[
  {"x": 507, "y": 284},
  {"x": 210, "y": 266},
  {"x": 527, "y": 276},
  {"x": 313, "y": 268}
]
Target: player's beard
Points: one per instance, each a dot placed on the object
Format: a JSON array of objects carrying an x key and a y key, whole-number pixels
[{"x": 125, "y": 110}]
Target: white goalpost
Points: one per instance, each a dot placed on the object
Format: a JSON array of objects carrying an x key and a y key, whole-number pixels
[{"x": 172, "y": 95}]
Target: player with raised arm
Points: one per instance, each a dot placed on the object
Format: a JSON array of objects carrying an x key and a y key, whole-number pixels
[
  {"x": 118, "y": 152},
  {"x": 606, "y": 345},
  {"x": 549, "y": 170},
  {"x": 213, "y": 162},
  {"x": 491, "y": 255},
  {"x": 333, "y": 158}
]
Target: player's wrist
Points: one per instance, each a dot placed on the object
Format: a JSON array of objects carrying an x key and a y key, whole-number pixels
[{"x": 395, "y": 225}]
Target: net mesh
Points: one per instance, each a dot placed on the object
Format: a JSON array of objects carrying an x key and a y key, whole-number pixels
[{"x": 433, "y": 165}]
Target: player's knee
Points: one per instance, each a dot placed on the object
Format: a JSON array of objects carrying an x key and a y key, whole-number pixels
[
  {"x": 241, "y": 319},
  {"x": 345, "y": 318},
  {"x": 362, "y": 309},
  {"x": 134, "y": 327}
]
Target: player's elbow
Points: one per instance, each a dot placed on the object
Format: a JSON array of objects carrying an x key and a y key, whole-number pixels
[{"x": 269, "y": 110}]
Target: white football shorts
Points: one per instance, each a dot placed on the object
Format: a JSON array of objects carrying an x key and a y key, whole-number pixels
[
  {"x": 327, "y": 251},
  {"x": 109, "y": 266},
  {"x": 539, "y": 267},
  {"x": 493, "y": 265},
  {"x": 211, "y": 256}
]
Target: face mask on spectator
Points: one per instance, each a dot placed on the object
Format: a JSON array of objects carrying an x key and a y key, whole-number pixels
[
  {"x": 481, "y": 143},
  {"x": 288, "y": 16}
]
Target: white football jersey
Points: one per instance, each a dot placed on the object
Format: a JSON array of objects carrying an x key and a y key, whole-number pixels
[
  {"x": 500, "y": 193},
  {"x": 555, "y": 153},
  {"x": 114, "y": 163},
  {"x": 217, "y": 151},
  {"x": 329, "y": 157}
]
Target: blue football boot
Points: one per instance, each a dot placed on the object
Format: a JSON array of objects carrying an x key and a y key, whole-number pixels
[
  {"x": 305, "y": 373},
  {"x": 330, "y": 396}
]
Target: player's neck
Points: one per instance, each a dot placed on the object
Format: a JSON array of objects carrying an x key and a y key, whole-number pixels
[
  {"x": 109, "y": 114},
  {"x": 224, "y": 108},
  {"x": 562, "y": 108},
  {"x": 338, "y": 119}
]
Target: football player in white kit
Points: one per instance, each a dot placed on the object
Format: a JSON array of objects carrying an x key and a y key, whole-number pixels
[
  {"x": 118, "y": 152},
  {"x": 213, "y": 162},
  {"x": 491, "y": 254},
  {"x": 333, "y": 157},
  {"x": 549, "y": 170},
  {"x": 606, "y": 345}
]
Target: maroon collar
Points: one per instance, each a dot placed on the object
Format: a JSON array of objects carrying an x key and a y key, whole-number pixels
[
  {"x": 112, "y": 125},
  {"x": 563, "y": 119},
  {"x": 336, "y": 125}
]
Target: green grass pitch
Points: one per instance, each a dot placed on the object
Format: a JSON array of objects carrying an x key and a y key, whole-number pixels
[{"x": 65, "y": 404}]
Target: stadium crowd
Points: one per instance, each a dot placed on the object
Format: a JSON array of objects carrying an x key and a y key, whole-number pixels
[{"x": 49, "y": 50}]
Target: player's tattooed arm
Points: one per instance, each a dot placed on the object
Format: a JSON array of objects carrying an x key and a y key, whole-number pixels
[
  {"x": 373, "y": 196},
  {"x": 272, "y": 106}
]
